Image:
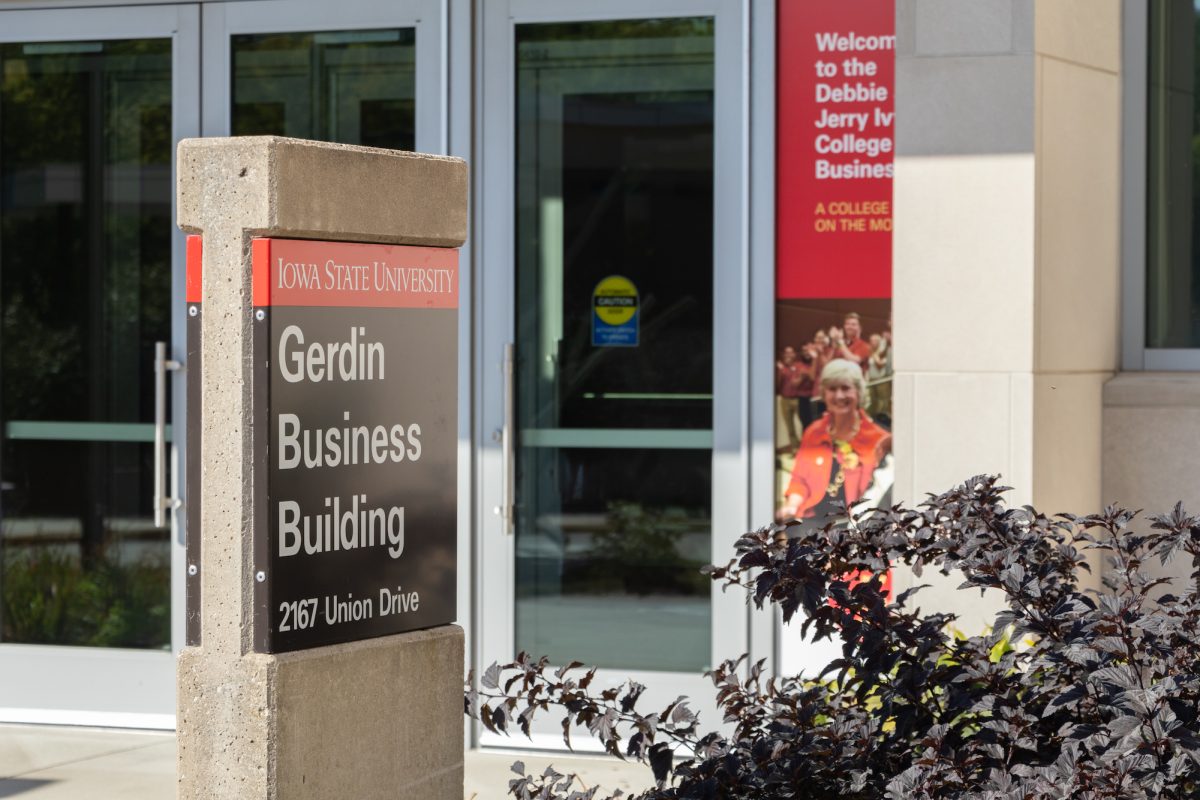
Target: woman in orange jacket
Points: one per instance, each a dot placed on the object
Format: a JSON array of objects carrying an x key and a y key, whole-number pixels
[{"x": 838, "y": 453}]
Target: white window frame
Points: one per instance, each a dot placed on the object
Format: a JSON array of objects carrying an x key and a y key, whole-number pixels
[{"x": 1135, "y": 50}]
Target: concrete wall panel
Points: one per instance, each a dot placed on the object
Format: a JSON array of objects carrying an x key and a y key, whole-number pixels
[
  {"x": 952, "y": 27},
  {"x": 963, "y": 252},
  {"x": 964, "y": 425},
  {"x": 1067, "y": 434},
  {"x": 1079, "y": 218},
  {"x": 1087, "y": 32},
  {"x": 379, "y": 702},
  {"x": 1151, "y": 433},
  {"x": 1023, "y": 25},
  {"x": 959, "y": 105},
  {"x": 1151, "y": 437}
]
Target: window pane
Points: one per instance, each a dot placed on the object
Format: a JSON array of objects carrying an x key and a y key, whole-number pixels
[
  {"x": 1173, "y": 254},
  {"x": 615, "y": 211},
  {"x": 352, "y": 87},
  {"x": 85, "y": 281}
]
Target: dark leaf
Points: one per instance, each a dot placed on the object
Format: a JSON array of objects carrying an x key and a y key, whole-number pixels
[{"x": 660, "y": 762}]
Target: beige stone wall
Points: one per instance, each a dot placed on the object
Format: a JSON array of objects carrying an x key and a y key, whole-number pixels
[
  {"x": 964, "y": 258},
  {"x": 1152, "y": 445},
  {"x": 1078, "y": 212},
  {"x": 963, "y": 303},
  {"x": 1006, "y": 252}
]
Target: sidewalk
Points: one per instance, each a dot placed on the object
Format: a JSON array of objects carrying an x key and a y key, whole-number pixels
[{"x": 40, "y": 762}]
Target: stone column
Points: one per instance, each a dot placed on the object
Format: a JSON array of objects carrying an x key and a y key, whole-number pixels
[
  {"x": 369, "y": 719},
  {"x": 1006, "y": 252}
]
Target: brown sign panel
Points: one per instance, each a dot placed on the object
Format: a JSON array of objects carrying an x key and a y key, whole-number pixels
[{"x": 358, "y": 355}]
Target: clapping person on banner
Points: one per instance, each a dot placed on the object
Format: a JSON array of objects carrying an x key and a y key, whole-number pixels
[
  {"x": 879, "y": 381},
  {"x": 794, "y": 381}
]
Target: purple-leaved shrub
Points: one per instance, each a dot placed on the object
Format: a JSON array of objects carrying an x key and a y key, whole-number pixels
[{"x": 1101, "y": 700}]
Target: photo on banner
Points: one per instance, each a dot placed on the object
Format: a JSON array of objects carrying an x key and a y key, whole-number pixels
[
  {"x": 833, "y": 375},
  {"x": 833, "y": 286}
]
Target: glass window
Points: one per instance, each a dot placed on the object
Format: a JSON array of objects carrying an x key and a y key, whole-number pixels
[
  {"x": 352, "y": 87},
  {"x": 614, "y": 318},
  {"x": 1173, "y": 171},
  {"x": 85, "y": 283}
]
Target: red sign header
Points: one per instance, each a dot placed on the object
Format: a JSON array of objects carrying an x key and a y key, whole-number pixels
[
  {"x": 836, "y": 72},
  {"x": 299, "y": 272}
]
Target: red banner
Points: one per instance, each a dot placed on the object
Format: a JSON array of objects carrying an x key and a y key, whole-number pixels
[
  {"x": 836, "y": 73},
  {"x": 833, "y": 327},
  {"x": 298, "y": 272}
]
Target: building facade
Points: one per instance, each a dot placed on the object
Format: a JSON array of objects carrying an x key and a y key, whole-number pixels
[{"x": 1044, "y": 291}]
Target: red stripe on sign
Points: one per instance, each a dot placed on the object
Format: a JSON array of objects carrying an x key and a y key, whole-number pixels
[
  {"x": 349, "y": 275},
  {"x": 194, "y": 265},
  {"x": 260, "y": 271}
]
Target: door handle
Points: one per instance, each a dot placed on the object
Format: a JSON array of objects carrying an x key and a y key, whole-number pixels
[
  {"x": 507, "y": 454},
  {"x": 162, "y": 503}
]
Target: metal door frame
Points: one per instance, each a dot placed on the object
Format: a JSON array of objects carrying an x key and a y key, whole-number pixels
[
  {"x": 102, "y": 686},
  {"x": 495, "y": 136},
  {"x": 429, "y": 17},
  {"x": 58, "y": 685}
]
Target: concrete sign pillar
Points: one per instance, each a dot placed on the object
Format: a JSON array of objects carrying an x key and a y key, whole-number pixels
[{"x": 295, "y": 682}]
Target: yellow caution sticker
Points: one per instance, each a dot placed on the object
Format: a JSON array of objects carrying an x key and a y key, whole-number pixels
[{"x": 615, "y": 313}]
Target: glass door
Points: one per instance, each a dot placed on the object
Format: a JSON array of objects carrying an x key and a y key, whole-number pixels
[
  {"x": 91, "y": 105},
  {"x": 625, "y": 313},
  {"x": 354, "y": 72}
]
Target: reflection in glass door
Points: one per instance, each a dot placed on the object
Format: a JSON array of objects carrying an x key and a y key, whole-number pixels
[
  {"x": 355, "y": 72},
  {"x": 612, "y": 458},
  {"x": 352, "y": 87},
  {"x": 614, "y": 185},
  {"x": 85, "y": 285}
]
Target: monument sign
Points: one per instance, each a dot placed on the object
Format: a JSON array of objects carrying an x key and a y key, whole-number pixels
[
  {"x": 322, "y": 299},
  {"x": 360, "y": 347}
]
